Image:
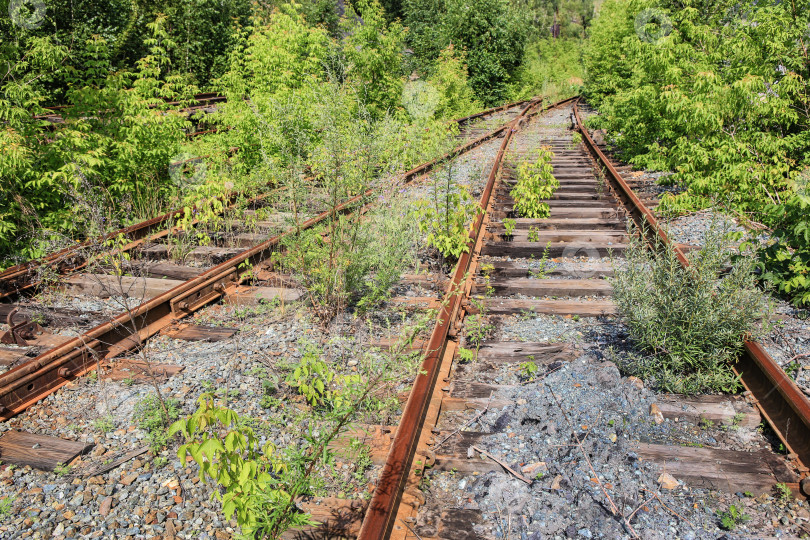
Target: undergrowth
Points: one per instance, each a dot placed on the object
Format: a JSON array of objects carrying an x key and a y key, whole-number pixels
[{"x": 689, "y": 323}]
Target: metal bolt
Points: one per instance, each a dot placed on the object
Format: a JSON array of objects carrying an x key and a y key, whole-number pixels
[
  {"x": 64, "y": 372},
  {"x": 805, "y": 486}
]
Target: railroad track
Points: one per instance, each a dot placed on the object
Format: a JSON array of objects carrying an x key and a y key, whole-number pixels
[
  {"x": 456, "y": 423},
  {"x": 456, "y": 410},
  {"x": 42, "y": 361}
]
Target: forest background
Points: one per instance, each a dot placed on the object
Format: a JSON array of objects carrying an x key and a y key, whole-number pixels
[{"x": 121, "y": 69}]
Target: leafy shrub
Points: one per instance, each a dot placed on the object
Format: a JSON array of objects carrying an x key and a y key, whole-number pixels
[
  {"x": 786, "y": 261},
  {"x": 722, "y": 101},
  {"x": 733, "y": 518},
  {"x": 535, "y": 183},
  {"x": 689, "y": 322},
  {"x": 251, "y": 476},
  {"x": 312, "y": 378},
  {"x": 446, "y": 216}
]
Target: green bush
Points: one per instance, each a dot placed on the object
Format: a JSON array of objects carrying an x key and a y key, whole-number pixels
[
  {"x": 447, "y": 215},
  {"x": 689, "y": 322},
  {"x": 786, "y": 261},
  {"x": 535, "y": 183}
]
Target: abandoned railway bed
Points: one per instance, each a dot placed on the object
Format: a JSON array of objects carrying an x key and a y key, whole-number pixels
[{"x": 516, "y": 425}]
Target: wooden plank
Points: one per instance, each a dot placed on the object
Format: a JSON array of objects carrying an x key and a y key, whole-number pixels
[
  {"x": 572, "y": 223},
  {"x": 523, "y": 351},
  {"x": 426, "y": 302},
  {"x": 543, "y": 237},
  {"x": 555, "y": 249},
  {"x": 605, "y": 213},
  {"x": 253, "y": 296},
  {"x": 731, "y": 410},
  {"x": 95, "y": 471},
  {"x": 470, "y": 389},
  {"x": 243, "y": 240},
  {"x": 38, "y": 451},
  {"x": 46, "y": 316},
  {"x": 725, "y": 470},
  {"x": 104, "y": 286},
  {"x": 462, "y": 404},
  {"x": 48, "y": 340},
  {"x": 198, "y": 332},
  {"x": 387, "y": 343},
  {"x": 171, "y": 271},
  {"x": 337, "y": 518},
  {"x": 141, "y": 372},
  {"x": 590, "y": 308},
  {"x": 206, "y": 254},
  {"x": 10, "y": 356},
  {"x": 214, "y": 254},
  {"x": 547, "y": 287},
  {"x": 510, "y": 269}
]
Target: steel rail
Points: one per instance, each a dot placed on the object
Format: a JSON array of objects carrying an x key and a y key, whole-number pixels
[
  {"x": 27, "y": 383},
  {"x": 382, "y": 510},
  {"x": 776, "y": 396},
  {"x": 21, "y": 277}
]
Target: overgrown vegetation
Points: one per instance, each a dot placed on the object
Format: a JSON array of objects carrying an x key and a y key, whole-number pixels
[
  {"x": 689, "y": 322},
  {"x": 259, "y": 483},
  {"x": 717, "y": 92},
  {"x": 154, "y": 416},
  {"x": 447, "y": 215},
  {"x": 535, "y": 184}
]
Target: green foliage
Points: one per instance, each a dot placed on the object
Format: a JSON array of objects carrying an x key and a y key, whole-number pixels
[
  {"x": 491, "y": 32},
  {"x": 447, "y": 215},
  {"x": 733, "y": 518},
  {"x": 312, "y": 378},
  {"x": 250, "y": 475},
  {"x": 320, "y": 385},
  {"x": 5, "y": 506},
  {"x": 689, "y": 321},
  {"x": 450, "y": 79},
  {"x": 535, "y": 183},
  {"x": 373, "y": 51},
  {"x": 783, "y": 492},
  {"x": 543, "y": 264},
  {"x": 104, "y": 424},
  {"x": 551, "y": 68},
  {"x": 154, "y": 417},
  {"x": 508, "y": 226},
  {"x": 109, "y": 158},
  {"x": 528, "y": 370},
  {"x": 786, "y": 261},
  {"x": 721, "y": 100}
]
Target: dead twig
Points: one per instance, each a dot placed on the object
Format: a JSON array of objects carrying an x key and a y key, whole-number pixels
[
  {"x": 502, "y": 464},
  {"x": 673, "y": 512},
  {"x": 642, "y": 505},
  {"x": 470, "y": 422},
  {"x": 411, "y": 529}
]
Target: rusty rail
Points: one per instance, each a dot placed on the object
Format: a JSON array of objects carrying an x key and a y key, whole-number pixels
[
  {"x": 382, "y": 509},
  {"x": 776, "y": 396},
  {"x": 27, "y": 383}
]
